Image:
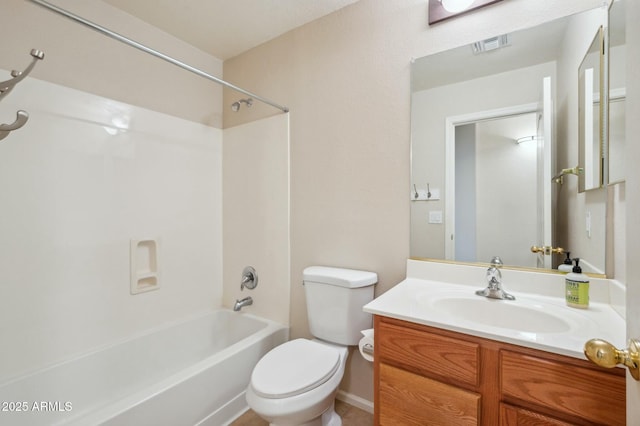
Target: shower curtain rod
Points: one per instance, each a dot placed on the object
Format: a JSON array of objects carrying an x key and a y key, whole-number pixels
[{"x": 153, "y": 52}]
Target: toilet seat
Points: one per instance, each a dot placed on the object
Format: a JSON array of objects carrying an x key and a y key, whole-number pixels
[{"x": 293, "y": 368}]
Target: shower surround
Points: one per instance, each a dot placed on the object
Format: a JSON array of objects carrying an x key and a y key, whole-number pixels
[{"x": 83, "y": 178}]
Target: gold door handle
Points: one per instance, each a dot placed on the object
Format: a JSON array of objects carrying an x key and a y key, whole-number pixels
[
  {"x": 606, "y": 355},
  {"x": 547, "y": 250}
]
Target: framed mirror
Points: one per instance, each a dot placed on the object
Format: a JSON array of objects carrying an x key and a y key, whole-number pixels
[
  {"x": 617, "y": 92},
  {"x": 493, "y": 93},
  {"x": 591, "y": 116}
]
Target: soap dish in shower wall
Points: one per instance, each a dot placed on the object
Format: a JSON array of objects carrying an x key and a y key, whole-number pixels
[{"x": 144, "y": 266}]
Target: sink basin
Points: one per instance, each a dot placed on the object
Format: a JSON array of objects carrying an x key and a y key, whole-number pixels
[
  {"x": 523, "y": 315},
  {"x": 515, "y": 315}
]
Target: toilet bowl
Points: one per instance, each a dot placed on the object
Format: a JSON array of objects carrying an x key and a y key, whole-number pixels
[{"x": 296, "y": 383}]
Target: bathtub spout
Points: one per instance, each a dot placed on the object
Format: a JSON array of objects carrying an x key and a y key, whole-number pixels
[{"x": 242, "y": 303}]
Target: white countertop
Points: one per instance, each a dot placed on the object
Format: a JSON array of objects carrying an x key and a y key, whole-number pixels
[{"x": 420, "y": 300}]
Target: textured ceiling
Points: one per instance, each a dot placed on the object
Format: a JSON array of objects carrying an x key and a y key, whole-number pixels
[{"x": 226, "y": 28}]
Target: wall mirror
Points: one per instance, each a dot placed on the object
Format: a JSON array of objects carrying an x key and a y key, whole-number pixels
[
  {"x": 617, "y": 91},
  {"x": 591, "y": 116},
  {"x": 483, "y": 152}
]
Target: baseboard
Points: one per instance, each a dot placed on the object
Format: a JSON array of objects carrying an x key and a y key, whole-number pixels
[{"x": 355, "y": 400}]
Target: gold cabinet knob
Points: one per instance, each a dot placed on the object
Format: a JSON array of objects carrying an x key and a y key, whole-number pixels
[{"x": 604, "y": 354}]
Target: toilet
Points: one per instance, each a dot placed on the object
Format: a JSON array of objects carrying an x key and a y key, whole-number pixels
[{"x": 296, "y": 383}]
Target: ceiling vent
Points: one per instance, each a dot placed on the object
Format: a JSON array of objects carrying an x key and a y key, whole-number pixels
[{"x": 492, "y": 43}]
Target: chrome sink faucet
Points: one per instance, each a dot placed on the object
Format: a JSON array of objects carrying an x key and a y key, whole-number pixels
[{"x": 494, "y": 282}]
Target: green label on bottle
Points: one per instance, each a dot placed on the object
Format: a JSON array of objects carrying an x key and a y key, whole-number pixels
[{"x": 577, "y": 293}]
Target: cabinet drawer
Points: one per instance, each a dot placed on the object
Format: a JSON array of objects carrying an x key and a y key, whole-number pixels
[
  {"x": 515, "y": 416},
  {"x": 592, "y": 395},
  {"x": 430, "y": 354},
  {"x": 410, "y": 399}
]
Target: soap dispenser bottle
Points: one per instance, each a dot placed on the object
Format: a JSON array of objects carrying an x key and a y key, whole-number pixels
[
  {"x": 567, "y": 265},
  {"x": 577, "y": 287}
]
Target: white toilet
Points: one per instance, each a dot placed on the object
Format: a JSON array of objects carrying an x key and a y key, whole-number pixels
[{"x": 296, "y": 383}]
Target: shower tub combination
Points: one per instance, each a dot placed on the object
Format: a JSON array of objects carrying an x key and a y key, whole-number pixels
[{"x": 193, "y": 372}]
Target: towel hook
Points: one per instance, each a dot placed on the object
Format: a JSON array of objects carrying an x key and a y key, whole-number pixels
[
  {"x": 7, "y": 86},
  {"x": 5, "y": 91},
  {"x": 21, "y": 119}
]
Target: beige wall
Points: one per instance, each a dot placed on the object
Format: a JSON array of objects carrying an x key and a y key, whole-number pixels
[
  {"x": 81, "y": 58},
  {"x": 346, "y": 79}
]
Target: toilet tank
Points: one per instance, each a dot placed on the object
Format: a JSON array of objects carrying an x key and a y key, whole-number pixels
[{"x": 335, "y": 297}]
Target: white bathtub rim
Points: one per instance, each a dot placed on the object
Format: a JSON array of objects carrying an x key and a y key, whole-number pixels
[
  {"x": 119, "y": 406},
  {"x": 106, "y": 346}
]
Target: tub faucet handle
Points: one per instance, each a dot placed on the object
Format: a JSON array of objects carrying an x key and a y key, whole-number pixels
[{"x": 249, "y": 278}]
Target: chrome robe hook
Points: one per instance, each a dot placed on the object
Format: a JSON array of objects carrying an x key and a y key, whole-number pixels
[
  {"x": 18, "y": 76},
  {"x": 21, "y": 119},
  {"x": 7, "y": 86}
]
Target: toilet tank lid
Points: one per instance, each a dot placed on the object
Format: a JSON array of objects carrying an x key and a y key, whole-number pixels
[{"x": 350, "y": 278}]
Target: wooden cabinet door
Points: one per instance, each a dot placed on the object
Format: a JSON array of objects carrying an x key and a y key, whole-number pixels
[
  {"x": 582, "y": 393},
  {"x": 410, "y": 399}
]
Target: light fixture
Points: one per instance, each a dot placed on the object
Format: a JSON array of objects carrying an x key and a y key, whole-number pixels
[
  {"x": 440, "y": 10},
  {"x": 456, "y": 6}
]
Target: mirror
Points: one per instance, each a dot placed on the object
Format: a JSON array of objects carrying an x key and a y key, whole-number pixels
[
  {"x": 494, "y": 194},
  {"x": 591, "y": 116},
  {"x": 617, "y": 91}
]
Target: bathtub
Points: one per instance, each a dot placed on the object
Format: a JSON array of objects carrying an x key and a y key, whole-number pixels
[{"x": 192, "y": 372}]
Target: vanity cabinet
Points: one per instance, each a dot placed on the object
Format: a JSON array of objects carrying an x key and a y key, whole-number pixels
[{"x": 430, "y": 376}]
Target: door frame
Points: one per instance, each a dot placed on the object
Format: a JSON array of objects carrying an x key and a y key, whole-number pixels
[{"x": 450, "y": 172}]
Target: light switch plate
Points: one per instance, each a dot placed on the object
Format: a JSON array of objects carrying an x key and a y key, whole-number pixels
[{"x": 435, "y": 216}]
